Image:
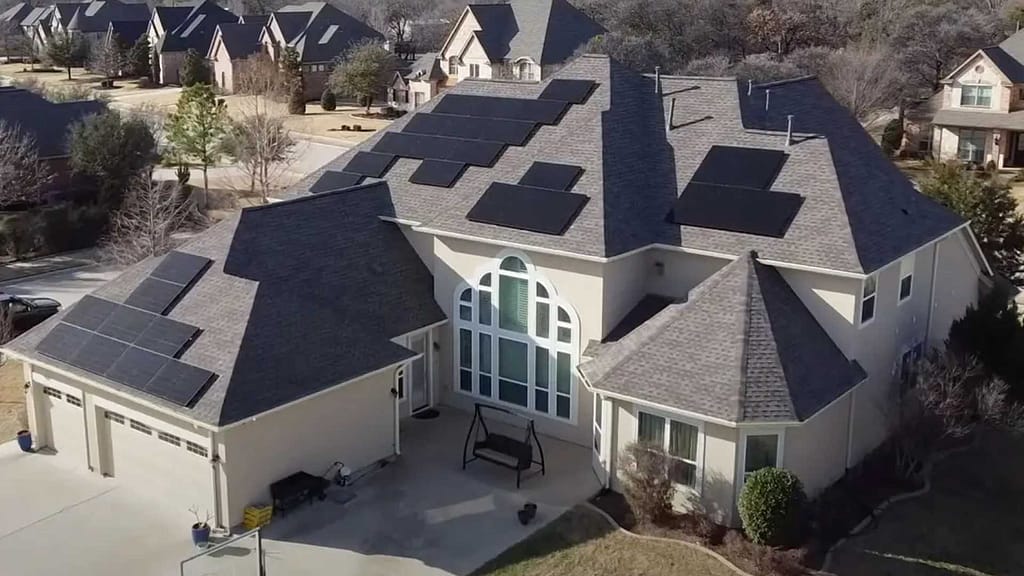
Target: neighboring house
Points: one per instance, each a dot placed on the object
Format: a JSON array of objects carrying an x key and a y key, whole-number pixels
[
  {"x": 520, "y": 39},
  {"x": 232, "y": 44},
  {"x": 412, "y": 88},
  {"x": 164, "y": 19},
  {"x": 917, "y": 126},
  {"x": 319, "y": 32},
  {"x": 126, "y": 33},
  {"x": 60, "y": 16},
  {"x": 673, "y": 266},
  {"x": 981, "y": 118},
  {"x": 92, "y": 20},
  {"x": 36, "y": 27},
  {"x": 193, "y": 32},
  {"x": 48, "y": 124}
]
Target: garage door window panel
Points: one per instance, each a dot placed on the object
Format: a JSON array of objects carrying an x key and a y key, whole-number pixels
[{"x": 139, "y": 426}]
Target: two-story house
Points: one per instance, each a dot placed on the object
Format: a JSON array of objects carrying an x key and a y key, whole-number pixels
[
  {"x": 742, "y": 278},
  {"x": 981, "y": 115},
  {"x": 193, "y": 30}
]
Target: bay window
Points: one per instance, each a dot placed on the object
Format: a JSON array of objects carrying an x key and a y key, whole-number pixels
[
  {"x": 681, "y": 442},
  {"x": 761, "y": 450}
]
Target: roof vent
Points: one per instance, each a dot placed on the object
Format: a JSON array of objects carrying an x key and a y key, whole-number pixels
[
  {"x": 767, "y": 98},
  {"x": 789, "y": 130},
  {"x": 750, "y": 87},
  {"x": 657, "y": 80}
]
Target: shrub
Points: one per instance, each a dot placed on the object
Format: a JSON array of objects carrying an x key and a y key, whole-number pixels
[
  {"x": 648, "y": 488},
  {"x": 327, "y": 100},
  {"x": 892, "y": 137},
  {"x": 194, "y": 69},
  {"x": 771, "y": 506}
]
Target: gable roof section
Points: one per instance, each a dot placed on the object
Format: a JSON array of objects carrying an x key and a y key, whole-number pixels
[
  {"x": 47, "y": 122},
  {"x": 241, "y": 40},
  {"x": 281, "y": 317},
  {"x": 196, "y": 30},
  {"x": 1008, "y": 65},
  {"x": 97, "y": 15},
  {"x": 16, "y": 13},
  {"x": 545, "y": 31},
  {"x": 320, "y": 32},
  {"x": 426, "y": 67},
  {"x": 742, "y": 349},
  {"x": 171, "y": 17},
  {"x": 128, "y": 32},
  {"x": 37, "y": 16}
]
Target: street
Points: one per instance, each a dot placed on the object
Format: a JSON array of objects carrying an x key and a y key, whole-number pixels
[{"x": 64, "y": 286}]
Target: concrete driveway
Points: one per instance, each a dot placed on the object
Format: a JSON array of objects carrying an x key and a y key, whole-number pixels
[{"x": 64, "y": 286}]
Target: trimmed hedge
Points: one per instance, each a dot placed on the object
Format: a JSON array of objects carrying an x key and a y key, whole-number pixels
[
  {"x": 328, "y": 101},
  {"x": 772, "y": 505}
]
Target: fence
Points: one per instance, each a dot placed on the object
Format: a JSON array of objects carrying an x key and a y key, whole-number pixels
[{"x": 240, "y": 555}]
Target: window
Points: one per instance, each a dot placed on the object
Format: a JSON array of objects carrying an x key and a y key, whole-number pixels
[
  {"x": 906, "y": 278},
  {"x": 517, "y": 343},
  {"x": 474, "y": 70},
  {"x": 400, "y": 383},
  {"x": 526, "y": 71},
  {"x": 971, "y": 146},
  {"x": 908, "y": 366},
  {"x": 976, "y": 95},
  {"x": 680, "y": 440},
  {"x": 453, "y": 66},
  {"x": 867, "y": 302},
  {"x": 169, "y": 438},
  {"x": 53, "y": 392},
  {"x": 136, "y": 425},
  {"x": 113, "y": 417},
  {"x": 74, "y": 401},
  {"x": 761, "y": 451},
  {"x": 196, "y": 449}
]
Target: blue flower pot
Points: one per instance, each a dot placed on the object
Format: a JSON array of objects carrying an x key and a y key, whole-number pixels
[
  {"x": 25, "y": 440},
  {"x": 201, "y": 535}
]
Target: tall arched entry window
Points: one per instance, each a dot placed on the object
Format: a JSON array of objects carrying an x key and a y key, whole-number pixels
[{"x": 517, "y": 342}]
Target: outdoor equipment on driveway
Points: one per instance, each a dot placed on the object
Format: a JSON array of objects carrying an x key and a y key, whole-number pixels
[
  {"x": 500, "y": 449},
  {"x": 296, "y": 489}
]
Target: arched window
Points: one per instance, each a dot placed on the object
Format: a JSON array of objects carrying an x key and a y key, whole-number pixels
[
  {"x": 517, "y": 342},
  {"x": 525, "y": 70},
  {"x": 453, "y": 66}
]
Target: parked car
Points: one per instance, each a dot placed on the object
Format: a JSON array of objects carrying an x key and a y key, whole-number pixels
[{"x": 27, "y": 312}]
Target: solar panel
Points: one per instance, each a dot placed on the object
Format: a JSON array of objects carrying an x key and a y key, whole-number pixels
[
  {"x": 512, "y": 132},
  {"x": 90, "y": 312},
  {"x": 178, "y": 382},
  {"x": 166, "y": 336},
  {"x": 155, "y": 295},
  {"x": 372, "y": 164},
  {"x": 539, "y": 111},
  {"x": 572, "y": 91},
  {"x": 126, "y": 324},
  {"x": 760, "y": 212},
  {"x": 439, "y": 173},
  {"x": 746, "y": 167},
  {"x": 180, "y": 268},
  {"x": 551, "y": 176},
  {"x": 136, "y": 367},
  {"x": 63, "y": 342},
  {"x": 422, "y": 146},
  {"x": 527, "y": 208},
  {"x": 332, "y": 180},
  {"x": 98, "y": 354}
]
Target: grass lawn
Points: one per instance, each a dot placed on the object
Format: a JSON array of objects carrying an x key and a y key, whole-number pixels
[
  {"x": 969, "y": 524},
  {"x": 12, "y": 400},
  {"x": 582, "y": 543}
]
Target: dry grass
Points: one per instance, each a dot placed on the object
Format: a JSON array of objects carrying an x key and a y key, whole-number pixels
[
  {"x": 79, "y": 78},
  {"x": 582, "y": 543},
  {"x": 12, "y": 400}
]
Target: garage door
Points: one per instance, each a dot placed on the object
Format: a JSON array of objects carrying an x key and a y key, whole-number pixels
[
  {"x": 66, "y": 424},
  {"x": 174, "y": 470}
]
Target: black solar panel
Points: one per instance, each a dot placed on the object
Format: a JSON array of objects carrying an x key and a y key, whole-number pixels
[
  {"x": 551, "y": 176},
  {"x": 372, "y": 164},
  {"x": 178, "y": 382},
  {"x": 166, "y": 336},
  {"x": 98, "y": 354},
  {"x": 527, "y": 208},
  {"x": 422, "y": 146},
  {"x": 512, "y": 132},
  {"x": 136, "y": 367},
  {"x": 63, "y": 342},
  {"x": 126, "y": 324},
  {"x": 746, "y": 167},
  {"x": 760, "y": 212},
  {"x": 180, "y": 268},
  {"x": 90, "y": 312},
  {"x": 572, "y": 91},
  {"x": 155, "y": 295},
  {"x": 439, "y": 173},
  {"x": 539, "y": 111},
  {"x": 332, "y": 180}
]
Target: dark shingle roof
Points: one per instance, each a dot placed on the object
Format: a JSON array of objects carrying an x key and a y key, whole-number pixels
[
  {"x": 196, "y": 30},
  {"x": 1006, "y": 63},
  {"x": 858, "y": 212},
  {"x": 128, "y": 32},
  {"x": 320, "y": 32},
  {"x": 426, "y": 66},
  {"x": 36, "y": 15},
  {"x": 546, "y": 31},
  {"x": 15, "y": 14},
  {"x": 281, "y": 317},
  {"x": 742, "y": 349},
  {"x": 241, "y": 40},
  {"x": 47, "y": 122},
  {"x": 97, "y": 15},
  {"x": 172, "y": 16}
]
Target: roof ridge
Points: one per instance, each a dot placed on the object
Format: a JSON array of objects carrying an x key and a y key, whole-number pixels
[
  {"x": 751, "y": 259},
  {"x": 795, "y": 80},
  {"x": 309, "y": 197},
  {"x": 771, "y": 327}
]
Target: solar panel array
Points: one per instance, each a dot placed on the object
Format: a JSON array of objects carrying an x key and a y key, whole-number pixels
[
  {"x": 441, "y": 173},
  {"x": 731, "y": 191},
  {"x": 332, "y": 180},
  {"x": 541, "y": 202},
  {"x": 134, "y": 343}
]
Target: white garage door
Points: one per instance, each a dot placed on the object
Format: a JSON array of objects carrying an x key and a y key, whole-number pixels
[
  {"x": 174, "y": 470},
  {"x": 66, "y": 424}
]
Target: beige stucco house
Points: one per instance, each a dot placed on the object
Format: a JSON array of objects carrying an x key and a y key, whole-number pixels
[
  {"x": 981, "y": 115},
  {"x": 412, "y": 88},
  {"x": 618, "y": 257},
  {"x": 232, "y": 44}
]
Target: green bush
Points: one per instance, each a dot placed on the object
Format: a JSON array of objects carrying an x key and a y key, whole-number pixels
[
  {"x": 51, "y": 229},
  {"x": 892, "y": 137},
  {"x": 328, "y": 101},
  {"x": 771, "y": 506}
]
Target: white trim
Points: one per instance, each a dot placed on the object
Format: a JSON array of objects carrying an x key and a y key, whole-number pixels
[
  {"x": 401, "y": 337},
  {"x": 655, "y": 406},
  {"x": 861, "y": 299},
  {"x": 931, "y": 296},
  {"x": 805, "y": 268},
  {"x": 907, "y": 265},
  {"x": 698, "y": 461},
  {"x": 763, "y": 430},
  {"x": 402, "y": 221},
  {"x": 451, "y": 35},
  {"x": 980, "y": 253},
  {"x": 949, "y": 77}
]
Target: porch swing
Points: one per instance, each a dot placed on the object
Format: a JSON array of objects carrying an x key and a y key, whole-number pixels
[{"x": 501, "y": 449}]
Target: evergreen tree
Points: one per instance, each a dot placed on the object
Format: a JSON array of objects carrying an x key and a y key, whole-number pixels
[
  {"x": 194, "y": 69},
  {"x": 66, "y": 51},
  {"x": 196, "y": 129},
  {"x": 296, "y": 85}
]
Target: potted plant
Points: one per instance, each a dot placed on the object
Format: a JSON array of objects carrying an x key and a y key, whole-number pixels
[
  {"x": 201, "y": 528},
  {"x": 25, "y": 440},
  {"x": 527, "y": 513}
]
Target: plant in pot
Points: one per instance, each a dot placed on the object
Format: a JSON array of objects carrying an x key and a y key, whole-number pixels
[
  {"x": 201, "y": 528},
  {"x": 25, "y": 440},
  {"x": 526, "y": 514}
]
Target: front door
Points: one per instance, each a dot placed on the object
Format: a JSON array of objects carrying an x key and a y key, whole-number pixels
[{"x": 419, "y": 376}]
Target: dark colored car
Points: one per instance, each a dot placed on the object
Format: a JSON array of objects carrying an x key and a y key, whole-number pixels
[{"x": 27, "y": 312}]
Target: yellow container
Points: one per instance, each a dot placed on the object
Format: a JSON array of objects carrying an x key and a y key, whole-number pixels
[{"x": 257, "y": 516}]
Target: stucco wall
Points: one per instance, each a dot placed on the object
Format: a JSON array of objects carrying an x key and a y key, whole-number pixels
[
  {"x": 223, "y": 71},
  {"x": 957, "y": 285},
  {"x": 170, "y": 67},
  {"x": 354, "y": 424},
  {"x": 816, "y": 451},
  {"x": 989, "y": 75},
  {"x": 625, "y": 283},
  {"x": 680, "y": 271}
]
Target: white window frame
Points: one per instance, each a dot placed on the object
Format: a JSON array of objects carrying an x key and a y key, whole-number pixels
[
  {"x": 598, "y": 427},
  {"x": 551, "y": 343},
  {"x": 864, "y": 298},
  {"x": 971, "y": 135},
  {"x": 906, "y": 271},
  {"x": 977, "y": 95},
  {"x": 745, "y": 432},
  {"x": 698, "y": 480},
  {"x": 474, "y": 70},
  {"x": 400, "y": 384},
  {"x": 453, "y": 66}
]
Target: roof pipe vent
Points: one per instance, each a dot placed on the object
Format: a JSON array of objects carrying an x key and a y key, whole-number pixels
[
  {"x": 657, "y": 80},
  {"x": 789, "y": 130},
  {"x": 767, "y": 98},
  {"x": 671, "y": 115},
  {"x": 750, "y": 87}
]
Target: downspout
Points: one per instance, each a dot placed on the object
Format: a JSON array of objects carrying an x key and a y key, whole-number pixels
[
  {"x": 397, "y": 414},
  {"x": 216, "y": 469},
  {"x": 931, "y": 294}
]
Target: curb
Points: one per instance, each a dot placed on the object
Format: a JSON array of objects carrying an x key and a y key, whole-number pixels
[{"x": 690, "y": 545}]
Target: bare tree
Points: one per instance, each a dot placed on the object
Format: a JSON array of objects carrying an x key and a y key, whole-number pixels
[
  {"x": 960, "y": 395},
  {"x": 145, "y": 225},
  {"x": 23, "y": 176},
  {"x": 862, "y": 78},
  {"x": 109, "y": 59}
]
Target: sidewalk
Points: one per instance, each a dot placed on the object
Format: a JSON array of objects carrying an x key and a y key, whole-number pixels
[{"x": 46, "y": 264}]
